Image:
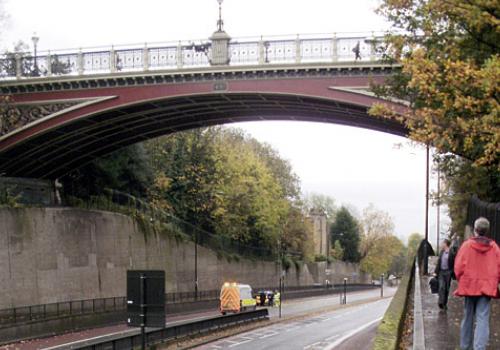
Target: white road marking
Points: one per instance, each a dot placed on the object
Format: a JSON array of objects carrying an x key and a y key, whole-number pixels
[
  {"x": 312, "y": 345},
  {"x": 332, "y": 337},
  {"x": 240, "y": 343},
  {"x": 81, "y": 341},
  {"x": 350, "y": 334},
  {"x": 271, "y": 334}
]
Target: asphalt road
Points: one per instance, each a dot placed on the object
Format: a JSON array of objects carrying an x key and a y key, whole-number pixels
[
  {"x": 290, "y": 308},
  {"x": 308, "y": 305},
  {"x": 326, "y": 331}
]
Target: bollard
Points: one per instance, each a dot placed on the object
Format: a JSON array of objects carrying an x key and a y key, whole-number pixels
[
  {"x": 382, "y": 285},
  {"x": 345, "y": 291}
]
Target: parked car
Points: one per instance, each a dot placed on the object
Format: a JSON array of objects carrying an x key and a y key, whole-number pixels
[{"x": 263, "y": 297}]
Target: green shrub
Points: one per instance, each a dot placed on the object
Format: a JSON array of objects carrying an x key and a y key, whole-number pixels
[{"x": 320, "y": 258}]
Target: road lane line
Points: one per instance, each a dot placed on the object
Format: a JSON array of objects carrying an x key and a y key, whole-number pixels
[
  {"x": 240, "y": 343},
  {"x": 350, "y": 334},
  {"x": 312, "y": 345},
  {"x": 269, "y": 335},
  {"x": 332, "y": 337}
]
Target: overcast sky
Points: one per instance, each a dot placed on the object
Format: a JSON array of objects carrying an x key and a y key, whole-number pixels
[{"x": 354, "y": 166}]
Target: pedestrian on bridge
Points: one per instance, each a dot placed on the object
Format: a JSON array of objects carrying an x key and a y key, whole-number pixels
[
  {"x": 444, "y": 273},
  {"x": 477, "y": 269}
]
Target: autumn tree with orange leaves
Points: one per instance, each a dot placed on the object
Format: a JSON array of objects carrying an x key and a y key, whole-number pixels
[{"x": 450, "y": 73}]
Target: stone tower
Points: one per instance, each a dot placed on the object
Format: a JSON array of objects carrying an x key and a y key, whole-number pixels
[{"x": 320, "y": 234}]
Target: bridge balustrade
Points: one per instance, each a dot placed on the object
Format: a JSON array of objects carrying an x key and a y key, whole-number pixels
[{"x": 187, "y": 54}]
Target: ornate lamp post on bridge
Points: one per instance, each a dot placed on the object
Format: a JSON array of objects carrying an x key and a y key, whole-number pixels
[
  {"x": 220, "y": 22},
  {"x": 220, "y": 42},
  {"x": 35, "y": 39}
]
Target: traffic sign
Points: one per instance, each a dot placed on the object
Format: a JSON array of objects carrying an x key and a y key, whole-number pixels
[{"x": 146, "y": 298}]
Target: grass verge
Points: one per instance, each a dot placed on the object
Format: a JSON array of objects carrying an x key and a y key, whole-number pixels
[{"x": 390, "y": 330}]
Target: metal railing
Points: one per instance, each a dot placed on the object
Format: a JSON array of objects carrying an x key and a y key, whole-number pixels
[
  {"x": 61, "y": 309},
  {"x": 42, "y": 312},
  {"x": 341, "y": 47},
  {"x": 491, "y": 211}
]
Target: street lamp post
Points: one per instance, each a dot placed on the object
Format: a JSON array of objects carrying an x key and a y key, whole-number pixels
[
  {"x": 220, "y": 23},
  {"x": 425, "y": 262},
  {"x": 281, "y": 273},
  {"x": 35, "y": 39},
  {"x": 196, "y": 266},
  {"x": 438, "y": 218}
]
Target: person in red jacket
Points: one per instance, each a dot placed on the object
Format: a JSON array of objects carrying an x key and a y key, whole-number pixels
[{"x": 477, "y": 269}]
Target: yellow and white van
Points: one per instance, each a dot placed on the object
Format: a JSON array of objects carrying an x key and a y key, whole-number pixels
[{"x": 236, "y": 297}]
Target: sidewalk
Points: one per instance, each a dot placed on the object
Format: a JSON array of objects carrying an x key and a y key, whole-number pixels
[{"x": 442, "y": 328}]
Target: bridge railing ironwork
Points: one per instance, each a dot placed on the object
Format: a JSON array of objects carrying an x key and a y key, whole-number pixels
[
  {"x": 298, "y": 49},
  {"x": 491, "y": 211}
]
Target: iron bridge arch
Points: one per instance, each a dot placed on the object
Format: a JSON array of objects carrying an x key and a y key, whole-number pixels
[{"x": 58, "y": 150}]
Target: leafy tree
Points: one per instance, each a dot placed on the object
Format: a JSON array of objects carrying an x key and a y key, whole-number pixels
[
  {"x": 414, "y": 241},
  {"x": 345, "y": 230},
  {"x": 462, "y": 179},
  {"x": 254, "y": 206},
  {"x": 318, "y": 201},
  {"x": 376, "y": 225},
  {"x": 449, "y": 51},
  {"x": 9, "y": 64},
  {"x": 127, "y": 170},
  {"x": 220, "y": 179},
  {"x": 379, "y": 247},
  {"x": 337, "y": 252},
  {"x": 22, "y": 50},
  {"x": 279, "y": 167},
  {"x": 381, "y": 256},
  {"x": 399, "y": 262},
  {"x": 186, "y": 172},
  {"x": 217, "y": 178},
  {"x": 58, "y": 67},
  {"x": 298, "y": 233}
]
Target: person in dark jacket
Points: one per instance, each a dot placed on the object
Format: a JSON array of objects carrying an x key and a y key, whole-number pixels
[{"x": 444, "y": 273}]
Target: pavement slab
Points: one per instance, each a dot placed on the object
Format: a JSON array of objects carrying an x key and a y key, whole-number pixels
[{"x": 442, "y": 328}]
